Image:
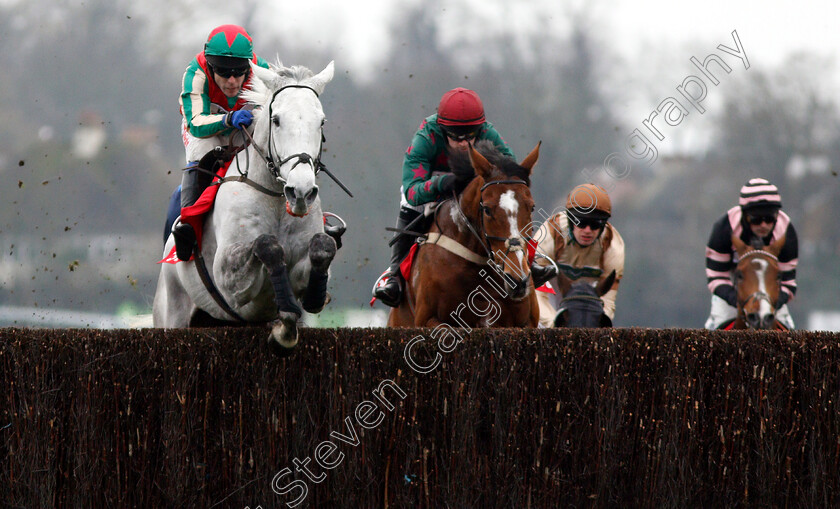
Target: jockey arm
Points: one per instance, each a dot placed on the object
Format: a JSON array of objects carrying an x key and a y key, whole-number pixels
[
  {"x": 545, "y": 245},
  {"x": 203, "y": 117},
  {"x": 788, "y": 260},
  {"x": 419, "y": 185},
  {"x": 613, "y": 260},
  {"x": 204, "y": 111},
  {"x": 719, "y": 262}
]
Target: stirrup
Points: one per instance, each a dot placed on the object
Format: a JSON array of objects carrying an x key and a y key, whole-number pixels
[
  {"x": 380, "y": 281},
  {"x": 334, "y": 231},
  {"x": 380, "y": 287},
  {"x": 550, "y": 270}
]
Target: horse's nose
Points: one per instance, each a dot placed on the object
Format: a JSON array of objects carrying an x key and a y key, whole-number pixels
[
  {"x": 293, "y": 194},
  {"x": 518, "y": 287},
  {"x": 311, "y": 195},
  {"x": 299, "y": 201},
  {"x": 753, "y": 320},
  {"x": 768, "y": 321}
]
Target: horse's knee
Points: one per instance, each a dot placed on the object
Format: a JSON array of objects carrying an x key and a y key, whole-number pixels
[
  {"x": 268, "y": 250},
  {"x": 322, "y": 249}
]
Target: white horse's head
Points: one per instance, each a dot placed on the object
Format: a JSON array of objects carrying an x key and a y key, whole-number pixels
[{"x": 288, "y": 127}]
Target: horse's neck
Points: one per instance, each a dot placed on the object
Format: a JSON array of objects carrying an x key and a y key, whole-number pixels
[{"x": 457, "y": 229}]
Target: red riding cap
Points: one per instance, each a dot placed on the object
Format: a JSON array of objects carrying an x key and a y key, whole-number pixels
[{"x": 460, "y": 107}]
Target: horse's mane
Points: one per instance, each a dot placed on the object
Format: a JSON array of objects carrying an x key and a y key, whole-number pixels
[
  {"x": 757, "y": 243},
  {"x": 503, "y": 166},
  {"x": 260, "y": 92}
]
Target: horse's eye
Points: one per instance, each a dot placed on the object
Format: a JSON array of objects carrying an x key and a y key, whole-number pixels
[
  {"x": 486, "y": 210},
  {"x": 276, "y": 121},
  {"x": 739, "y": 275}
]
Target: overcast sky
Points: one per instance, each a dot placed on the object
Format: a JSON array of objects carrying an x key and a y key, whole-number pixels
[
  {"x": 650, "y": 41},
  {"x": 359, "y": 30}
]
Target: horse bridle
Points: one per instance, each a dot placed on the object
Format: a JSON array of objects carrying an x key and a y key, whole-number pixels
[
  {"x": 303, "y": 157},
  {"x": 512, "y": 244},
  {"x": 757, "y": 295}
]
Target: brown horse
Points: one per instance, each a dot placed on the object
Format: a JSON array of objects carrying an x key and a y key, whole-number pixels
[
  {"x": 473, "y": 268},
  {"x": 581, "y": 304},
  {"x": 757, "y": 282}
]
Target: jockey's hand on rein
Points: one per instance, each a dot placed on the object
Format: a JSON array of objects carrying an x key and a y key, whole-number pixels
[
  {"x": 451, "y": 183},
  {"x": 239, "y": 118}
]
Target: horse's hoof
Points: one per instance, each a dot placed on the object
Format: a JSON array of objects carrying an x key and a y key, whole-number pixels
[
  {"x": 269, "y": 251},
  {"x": 322, "y": 249},
  {"x": 284, "y": 336}
]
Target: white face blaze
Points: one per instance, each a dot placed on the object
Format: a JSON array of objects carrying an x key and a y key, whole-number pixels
[
  {"x": 509, "y": 204},
  {"x": 298, "y": 115},
  {"x": 764, "y": 307}
]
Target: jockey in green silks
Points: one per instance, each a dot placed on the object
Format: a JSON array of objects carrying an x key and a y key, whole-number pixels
[{"x": 426, "y": 177}]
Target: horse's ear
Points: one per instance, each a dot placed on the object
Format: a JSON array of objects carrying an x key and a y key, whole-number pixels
[
  {"x": 606, "y": 284},
  {"x": 320, "y": 80},
  {"x": 564, "y": 284},
  {"x": 482, "y": 166},
  {"x": 776, "y": 246},
  {"x": 265, "y": 75},
  {"x": 531, "y": 159},
  {"x": 739, "y": 245}
]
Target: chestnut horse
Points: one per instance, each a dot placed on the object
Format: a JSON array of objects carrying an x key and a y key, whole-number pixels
[
  {"x": 757, "y": 282},
  {"x": 473, "y": 268}
]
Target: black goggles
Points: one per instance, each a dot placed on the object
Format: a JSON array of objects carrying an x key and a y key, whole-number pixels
[
  {"x": 461, "y": 137},
  {"x": 226, "y": 72},
  {"x": 757, "y": 220},
  {"x": 593, "y": 223}
]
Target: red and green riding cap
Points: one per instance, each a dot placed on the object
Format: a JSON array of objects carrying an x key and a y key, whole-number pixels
[{"x": 229, "y": 46}]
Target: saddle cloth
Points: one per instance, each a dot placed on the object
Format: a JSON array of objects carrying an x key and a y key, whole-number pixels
[{"x": 405, "y": 266}]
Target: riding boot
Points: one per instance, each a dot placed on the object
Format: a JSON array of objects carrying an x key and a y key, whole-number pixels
[
  {"x": 193, "y": 183},
  {"x": 390, "y": 293},
  {"x": 542, "y": 273}
]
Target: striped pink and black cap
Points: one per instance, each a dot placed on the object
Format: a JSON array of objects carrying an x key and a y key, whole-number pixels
[{"x": 761, "y": 193}]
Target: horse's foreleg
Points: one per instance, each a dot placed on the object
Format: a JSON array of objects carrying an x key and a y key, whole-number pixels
[
  {"x": 284, "y": 335},
  {"x": 322, "y": 250},
  {"x": 172, "y": 306}
]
